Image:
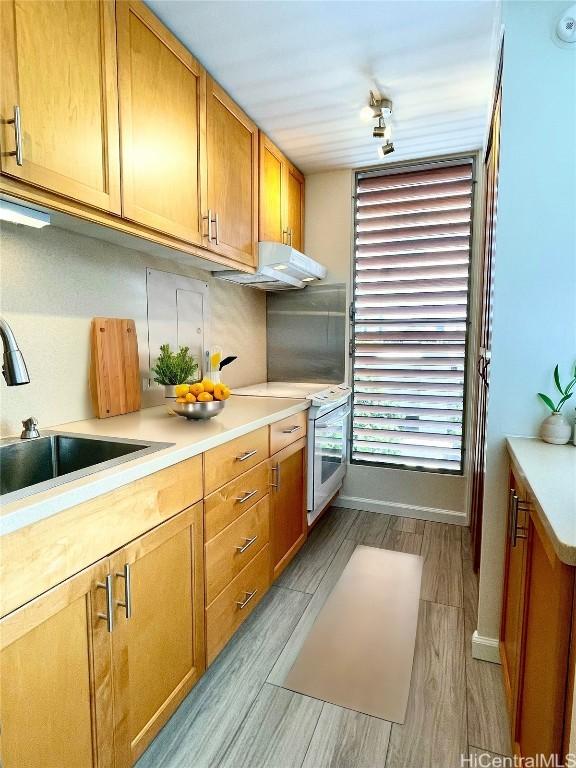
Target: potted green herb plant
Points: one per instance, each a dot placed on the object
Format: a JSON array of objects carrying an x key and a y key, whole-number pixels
[
  {"x": 555, "y": 428},
  {"x": 174, "y": 368}
]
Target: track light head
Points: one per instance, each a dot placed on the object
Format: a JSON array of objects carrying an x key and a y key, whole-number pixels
[
  {"x": 385, "y": 149},
  {"x": 382, "y": 131}
]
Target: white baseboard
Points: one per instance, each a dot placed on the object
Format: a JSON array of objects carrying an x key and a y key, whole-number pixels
[
  {"x": 485, "y": 648},
  {"x": 402, "y": 510}
]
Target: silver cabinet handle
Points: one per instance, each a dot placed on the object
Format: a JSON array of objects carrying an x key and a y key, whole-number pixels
[
  {"x": 127, "y": 602},
  {"x": 17, "y": 122},
  {"x": 290, "y": 236},
  {"x": 514, "y": 516},
  {"x": 246, "y": 455},
  {"x": 291, "y": 430},
  {"x": 276, "y": 469},
  {"x": 248, "y": 495},
  {"x": 108, "y": 617},
  {"x": 243, "y": 603},
  {"x": 217, "y": 223},
  {"x": 209, "y": 219},
  {"x": 245, "y": 546}
]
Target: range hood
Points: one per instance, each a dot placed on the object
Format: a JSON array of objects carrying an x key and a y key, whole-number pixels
[{"x": 280, "y": 268}]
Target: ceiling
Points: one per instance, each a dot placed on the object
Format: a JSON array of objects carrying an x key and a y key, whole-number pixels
[{"x": 303, "y": 70}]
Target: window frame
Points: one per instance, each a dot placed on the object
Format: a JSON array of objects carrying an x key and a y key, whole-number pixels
[{"x": 389, "y": 170}]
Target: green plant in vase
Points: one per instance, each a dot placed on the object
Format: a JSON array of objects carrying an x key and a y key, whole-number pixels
[
  {"x": 556, "y": 429},
  {"x": 173, "y": 368}
]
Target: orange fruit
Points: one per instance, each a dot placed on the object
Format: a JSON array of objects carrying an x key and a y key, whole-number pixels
[
  {"x": 181, "y": 390},
  {"x": 180, "y": 399},
  {"x": 197, "y": 388},
  {"x": 208, "y": 385},
  {"x": 205, "y": 397},
  {"x": 221, "y": 392},
  {"x": 190, "y": 398}
]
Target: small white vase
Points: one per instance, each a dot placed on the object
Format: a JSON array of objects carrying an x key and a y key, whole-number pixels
[{"x": 555, "y": 429}]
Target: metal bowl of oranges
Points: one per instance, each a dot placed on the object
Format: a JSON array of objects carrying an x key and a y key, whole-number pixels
[{"x": 201, "y": 400}]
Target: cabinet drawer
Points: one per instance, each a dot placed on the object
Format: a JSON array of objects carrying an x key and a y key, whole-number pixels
[
  {"x": 229, "y": 502},
  {"x": 287, "y": 431},
  {"x": 234, "y": 604},
  {"x": 229, "y": 552},
  {"x": 227, "y": 461}
]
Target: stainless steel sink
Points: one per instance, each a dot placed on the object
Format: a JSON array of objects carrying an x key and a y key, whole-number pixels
[{"x": 32, "y": 466}]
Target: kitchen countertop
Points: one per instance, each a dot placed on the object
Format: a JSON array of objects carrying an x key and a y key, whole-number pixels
[
  {"x": 549, "y": 472},
  {"x": 240, "y": 416}
]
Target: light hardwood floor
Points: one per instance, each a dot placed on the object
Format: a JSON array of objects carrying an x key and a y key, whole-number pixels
[{"x": 240, "y": 715}]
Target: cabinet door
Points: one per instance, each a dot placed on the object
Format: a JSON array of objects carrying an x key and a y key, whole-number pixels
[
  {"x": 232, "y": 174},
  {"x": 273, "y": 197},
  {"x": 288, "y": 504},
  {"x": 59, "y": 74},
  {"x": 295, "y": 207},
  {"x": 513, "y": 601},
  {"x": 544, "y": 673},
  {"x": 55, "y": 678},
  {"x": 162, "y": 98},
  {"x": 158, "y": 638}
]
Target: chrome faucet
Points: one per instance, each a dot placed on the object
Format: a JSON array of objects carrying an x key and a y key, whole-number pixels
[{"x": 14, "y": 368}]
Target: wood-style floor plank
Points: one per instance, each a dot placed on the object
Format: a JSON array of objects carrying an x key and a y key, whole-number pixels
[
  {"x": 370, "y": 528},
  {"x": 203, "y": 727},
  {"x": 276, "y": 732},
  {"x": 407, "y": 524},
  {"x": 347, "y": 739},
  {"x": 292, "y": 648},
  {"x": 305, "y": 572},
  {"x": 434, "y": 734},
  {"x": 442, "y": 574},
  {"x": 401, "y": 541},
  {"x": 488, "y": 723}
]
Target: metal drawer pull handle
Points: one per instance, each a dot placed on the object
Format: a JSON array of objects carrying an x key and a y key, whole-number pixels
[
  {"x": 243, "y": 603},
  {"x": 246, "y": 455},
  {"x": 291, "y": 430},
  {"x": 127, "y": 602},
  {"x": 17, "y": 122},
  {"x": 245, "y": 546},
  {"x": 276, "y": 468},
  {"x": 246, "y": 496},
  {"x": 108, "y": 617}
]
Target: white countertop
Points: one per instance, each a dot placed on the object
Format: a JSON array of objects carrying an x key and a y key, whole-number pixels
[
  {"x": 549, "y": 472},
  {"x": 240, "y": 416}
]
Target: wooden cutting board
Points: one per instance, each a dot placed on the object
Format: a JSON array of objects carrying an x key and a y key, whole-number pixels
[{"x": 114, "y": 369}]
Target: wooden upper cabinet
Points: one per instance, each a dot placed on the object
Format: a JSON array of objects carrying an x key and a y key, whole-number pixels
[
  {"x": 158, "y": 640},
  {"x": 232, "y": 178},
  {"x": 281, "y": 197},
  {"x": 55, "y": 688},
  {"x": 295, "y": 214},
  {"x": 59, "y": 78},
  {"x": 272, "y": 192},
  {"x": 162, "y": 105}
]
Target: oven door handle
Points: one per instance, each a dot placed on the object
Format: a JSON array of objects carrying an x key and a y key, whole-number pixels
[{"x": 342, "y": 415}]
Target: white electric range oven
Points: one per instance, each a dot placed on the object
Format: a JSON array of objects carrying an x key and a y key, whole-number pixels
[{"x": 328, "y": 424}]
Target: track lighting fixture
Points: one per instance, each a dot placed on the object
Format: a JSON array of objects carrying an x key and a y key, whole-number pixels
[
  {"x": 377, "y": 107},
  {"x": 385, "y": 149},
  {"x": 382, "y": 130}
]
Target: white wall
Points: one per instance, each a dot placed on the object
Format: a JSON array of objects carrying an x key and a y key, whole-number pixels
[
  {"x": 535, "y": 275},
  {"x": 52, "y": 282},
  {"x": 329, "y": 235}
]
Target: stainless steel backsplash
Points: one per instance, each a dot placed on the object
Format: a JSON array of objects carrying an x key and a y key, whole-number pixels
[{"x": 306, "y": 334}]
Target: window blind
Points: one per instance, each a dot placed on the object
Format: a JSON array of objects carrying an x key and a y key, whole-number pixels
[{"x": 410, "y": 316}]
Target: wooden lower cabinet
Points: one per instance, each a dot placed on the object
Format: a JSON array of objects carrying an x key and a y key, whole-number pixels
[
  {"x": 288, "y": 520},
  {"x": 55, "y": 678},
  {"x": 158, "y": 635},
  {"x": 92, "y": 669},
  {"x": 536, "y": 634}
]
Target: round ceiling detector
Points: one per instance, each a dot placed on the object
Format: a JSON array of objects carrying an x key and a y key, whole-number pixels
[{"x": 566, "y": 27}]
